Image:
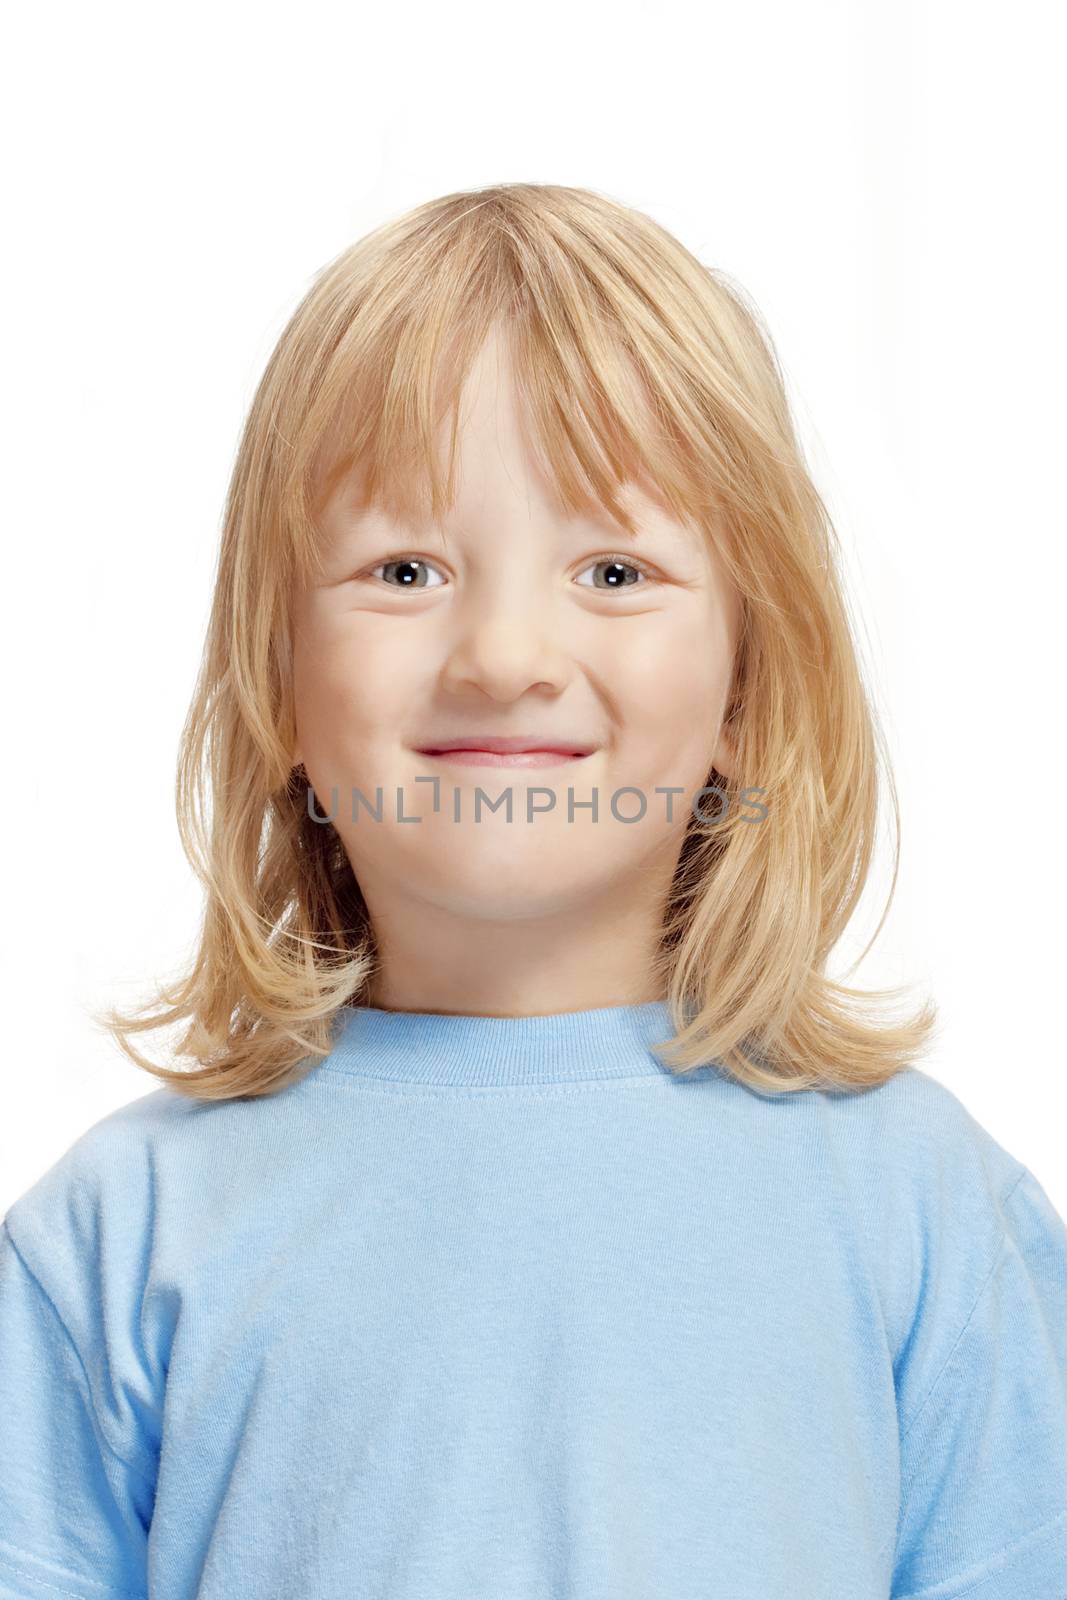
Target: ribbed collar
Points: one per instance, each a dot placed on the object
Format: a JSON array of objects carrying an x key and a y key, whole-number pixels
[{"x": 458, "y": 1047}]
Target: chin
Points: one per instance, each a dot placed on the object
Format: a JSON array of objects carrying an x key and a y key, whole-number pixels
[{"x": 487, "y": 894}]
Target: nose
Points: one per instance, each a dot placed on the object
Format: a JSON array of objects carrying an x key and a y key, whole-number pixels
[{"x": 505, "y": 643}]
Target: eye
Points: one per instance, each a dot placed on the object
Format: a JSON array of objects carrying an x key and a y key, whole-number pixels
[
  {"x": 410, "y": 572},
  {"x": 619, "y": 574}
]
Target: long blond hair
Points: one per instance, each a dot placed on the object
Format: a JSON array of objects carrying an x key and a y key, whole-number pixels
[{"x": 590, "y": 292}]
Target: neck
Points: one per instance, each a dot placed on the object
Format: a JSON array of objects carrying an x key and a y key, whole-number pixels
[{"x": 603, "y": 952}]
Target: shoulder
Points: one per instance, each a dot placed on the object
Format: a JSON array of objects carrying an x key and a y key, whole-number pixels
[
  {"x": 153, "y": 1143},
  {"x": 980, "y": 1371},
  {"x": 89, "y": 1210},
  {"x": 146, "y": 1180},
  {"x": 111, "y": 1158},
  {"x": 915, "y": 1137},
  {"x": 76, "y": 1250},
  {"x": 933, "y": 1193},
  {"x": 132, "y": 1180}
]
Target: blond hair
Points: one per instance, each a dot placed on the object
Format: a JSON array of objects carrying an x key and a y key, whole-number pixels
[{"x": 590, "y": 292}]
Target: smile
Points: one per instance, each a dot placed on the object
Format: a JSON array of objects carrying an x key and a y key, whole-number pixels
[{"x": 504, "y": 758}]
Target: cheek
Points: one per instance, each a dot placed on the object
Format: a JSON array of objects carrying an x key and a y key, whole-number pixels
[
  {"x": 349, "y": 691},
  {"x": 672, "y": 684}
]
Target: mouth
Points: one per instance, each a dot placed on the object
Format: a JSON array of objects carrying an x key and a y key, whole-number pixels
[{"x": 497, "y": 751}]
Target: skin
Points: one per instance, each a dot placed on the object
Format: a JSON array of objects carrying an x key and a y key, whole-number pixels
[{"x": 512, "y": 629}]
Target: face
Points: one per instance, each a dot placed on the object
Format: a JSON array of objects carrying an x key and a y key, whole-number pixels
[{"x": 607, "y": 657}]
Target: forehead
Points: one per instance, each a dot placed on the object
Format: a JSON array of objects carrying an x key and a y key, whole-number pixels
[
  {"x": 499, "y": 461},
  {"x": 479, "y": 514},
  {"x": 487, "y": 499},
  {"x": 464, "y": 443}
]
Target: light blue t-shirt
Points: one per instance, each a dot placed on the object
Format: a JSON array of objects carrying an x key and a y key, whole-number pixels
[{"x": 499, "y": 1309}]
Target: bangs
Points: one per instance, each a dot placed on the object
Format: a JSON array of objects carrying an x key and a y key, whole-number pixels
[{"x": 599, "y": 411}]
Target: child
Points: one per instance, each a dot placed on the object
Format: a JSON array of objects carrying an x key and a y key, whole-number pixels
[{"x": 539, "y": 1218}]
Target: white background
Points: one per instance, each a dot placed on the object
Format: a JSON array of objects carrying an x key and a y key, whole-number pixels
[{"x": 884, "y": 179}]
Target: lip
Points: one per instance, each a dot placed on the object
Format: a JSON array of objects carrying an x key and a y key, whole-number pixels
[{"x": 497, "y": 750}]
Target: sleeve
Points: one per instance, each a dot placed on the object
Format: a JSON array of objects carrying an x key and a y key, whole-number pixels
[
  {"x": 74, "y": 1515},
  {"x": 984, "y": 1458}
]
